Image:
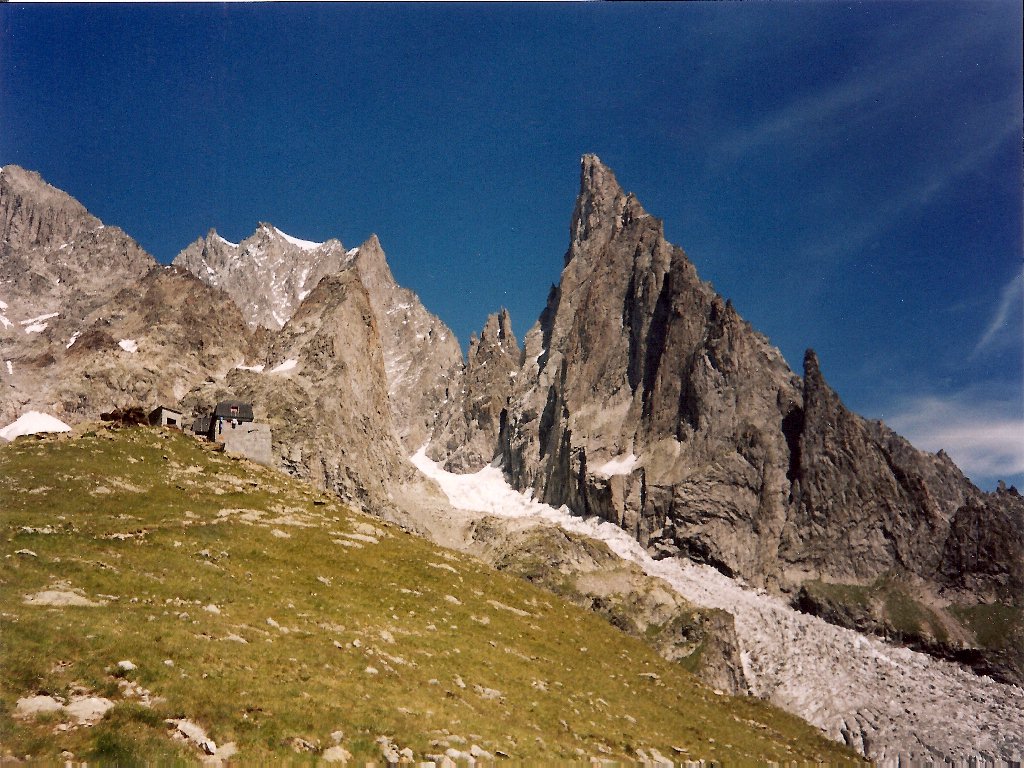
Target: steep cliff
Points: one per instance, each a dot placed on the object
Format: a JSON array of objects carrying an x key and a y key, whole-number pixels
[
  {"x": 645, "y": 399},
  {"x": 469, "y": 428}
]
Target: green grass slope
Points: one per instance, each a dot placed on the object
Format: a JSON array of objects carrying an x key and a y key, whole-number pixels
[{"x": 284, "y": 623}]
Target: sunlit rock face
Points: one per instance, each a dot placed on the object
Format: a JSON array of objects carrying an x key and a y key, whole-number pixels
[
  {"x": 644, "y": 398},
  {"x": 268, "y": 274}
]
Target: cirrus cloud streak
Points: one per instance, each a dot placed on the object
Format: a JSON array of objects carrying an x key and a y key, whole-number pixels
[{"x": 984, "y": 438}]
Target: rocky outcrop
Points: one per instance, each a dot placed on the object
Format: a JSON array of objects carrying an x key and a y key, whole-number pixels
[
  {"x": 984, "y": 551},
  {"x": 860, "y": 509},
  {"x": 58, "y": 266},
  {"x": 324, "y": 395},
  {"x": 469, "y": 428},
  {"x": 152, "y": 344},
  {"x": 644, "y": 398},
  {"x": 422, "y": 358},
  {"x": 270, "y": 274},
  {"x": 585, "y": 572},
  {"x": 55, "y": 256}
]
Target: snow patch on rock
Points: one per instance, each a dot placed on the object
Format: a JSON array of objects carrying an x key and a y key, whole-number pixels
[
  {"x": 619, "y": 465},
  {"x": 306, "y": 245},
  {"x": 129, "y": 345},
  {"x": 287, "y": 365},
  {"x": 36, "y": 320}
]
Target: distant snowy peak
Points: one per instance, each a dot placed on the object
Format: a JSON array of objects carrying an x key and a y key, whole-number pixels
[
  {"x": 306, "y": 245},
  {"x": 268, "y": 274}
]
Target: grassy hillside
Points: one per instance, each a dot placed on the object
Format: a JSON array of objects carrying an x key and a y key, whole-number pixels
[{"x": 281, "y": 622}]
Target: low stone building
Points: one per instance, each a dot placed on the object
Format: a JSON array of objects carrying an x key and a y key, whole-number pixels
[
  {"x": 233, "y": 424},
  {"x": 162, "y": 416}
]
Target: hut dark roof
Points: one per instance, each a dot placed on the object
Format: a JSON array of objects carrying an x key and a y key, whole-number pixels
[
  {"x": 233, "y": 409},
  {"x": 201, "y": 425}
]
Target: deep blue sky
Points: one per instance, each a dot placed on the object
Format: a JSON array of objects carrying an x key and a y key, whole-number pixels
[{"x": 848, "y": 174}]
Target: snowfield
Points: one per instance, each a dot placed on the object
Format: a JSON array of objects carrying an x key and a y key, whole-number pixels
[
  {"x": 33, "y": 423},
  {"x": 306, "y": 245},
  {"x": 889, "y": 703},
  {"x": 129, "y": 345}
]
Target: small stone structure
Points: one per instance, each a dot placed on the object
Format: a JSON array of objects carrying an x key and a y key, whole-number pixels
[
  {"x": 233, "y": 424},
  {"x": 162, "y": 416}
]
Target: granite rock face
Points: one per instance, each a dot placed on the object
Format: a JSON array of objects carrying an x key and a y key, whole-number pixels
[
  {"x": 422, "y": 358},
  {"x": 55, "y": 257},
  {"x": 324, "y": 395},
  {"x": 269, "y": 275},
  {"x": 645, "y": 399},
  {"x": 469, "y": 428},
  {"x": 59, "y": 266}
]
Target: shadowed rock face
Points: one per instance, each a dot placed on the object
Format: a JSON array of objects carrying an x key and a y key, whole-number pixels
[{"x": 469, "y": 427}]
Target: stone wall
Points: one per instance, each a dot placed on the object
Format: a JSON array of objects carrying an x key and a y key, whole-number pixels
[{"x": 249, "y": 440}]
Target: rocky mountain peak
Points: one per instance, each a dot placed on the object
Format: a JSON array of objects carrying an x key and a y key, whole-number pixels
[
  {"x": 268, "y": 274},
  {"x": 497, "y": 332},
  {"x": 372, "y": 265},
  {"x": 58, "y": 263},
  {"x": 35, "y": 214},
  {"x": 602, "y": 208},
  {"x": 812, "y": 368}
]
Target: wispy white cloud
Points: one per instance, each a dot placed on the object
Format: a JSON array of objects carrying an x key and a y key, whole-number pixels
[
  {"x": 984, "y": 437},
  {"x": 1011, "y": 300},
  {"x": 879, "y": 84},
  {"x": 910, "y": 200}
]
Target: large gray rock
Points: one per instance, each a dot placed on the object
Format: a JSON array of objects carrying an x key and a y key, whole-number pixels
[
  {"x": 270, "y": 274},
  {"x": 61, "y": 270},
  {"x": 644, "y": 398},
  {"x": 324, "y": 395},
  {"x": 422, "y": 358}
]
